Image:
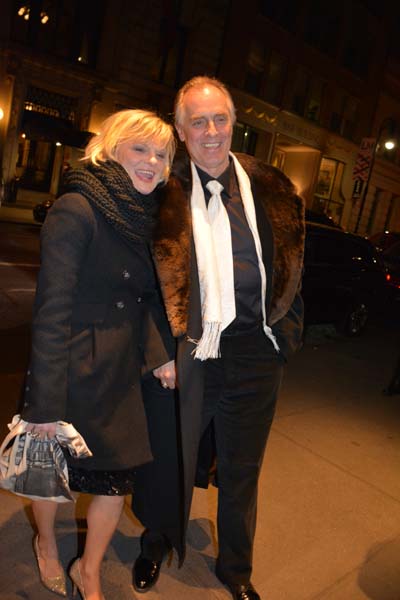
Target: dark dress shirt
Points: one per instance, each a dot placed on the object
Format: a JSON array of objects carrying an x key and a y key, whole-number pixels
[{"x": 247, "y": 278}]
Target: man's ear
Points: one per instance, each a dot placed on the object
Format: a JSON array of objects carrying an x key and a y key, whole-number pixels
[{"x": 181, "y": 133}]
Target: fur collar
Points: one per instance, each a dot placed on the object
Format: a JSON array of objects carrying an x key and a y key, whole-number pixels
[{"x": 274, "y": 194}]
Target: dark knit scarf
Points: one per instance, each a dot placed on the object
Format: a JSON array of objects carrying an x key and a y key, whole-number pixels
[{"x": 110, "y": 190}]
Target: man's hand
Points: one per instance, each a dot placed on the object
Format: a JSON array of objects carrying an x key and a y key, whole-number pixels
[
  {"x": 166, "y": 375},
  {"x": 42, "y": 430}
]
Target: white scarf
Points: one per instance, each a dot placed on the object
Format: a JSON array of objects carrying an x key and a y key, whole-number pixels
[{"x": 215, "y": 266}]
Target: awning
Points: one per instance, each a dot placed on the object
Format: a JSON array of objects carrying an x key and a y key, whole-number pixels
[{"x": 38, "y": 126}]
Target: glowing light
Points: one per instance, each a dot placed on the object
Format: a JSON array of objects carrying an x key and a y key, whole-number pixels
[
  {"x": 390, "y": 144},
  {"x": 1, "y": 114},
  {"x": 58, "y": 144},
  {"x": 23, "y": 135}
]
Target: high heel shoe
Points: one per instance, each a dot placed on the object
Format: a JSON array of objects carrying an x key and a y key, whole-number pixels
[
  {"x": 56, "y": 584},
  {"x": 76, "y": 577}
]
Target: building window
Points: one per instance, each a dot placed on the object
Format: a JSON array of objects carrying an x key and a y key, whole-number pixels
[
  {"x": 282, "y": 12},
  {"x": 344, "y": 114},
  {"x": 35, "y": 164},
  {"x": 307, "y": 95},
  {"x": 328, "y": 198},
  {"x": 326, "y": 178},
  {"x": 322, "y": 29},
  {"x": 172, "y": 43},
  {"x": 51, "y": 104},
  {"x": 376, "y": 7},
  {"x": 359, "y": 42},
  {"x": 66, "y": 28},
  {"x": 300, "y": 90},
  {"x": 314, "y": 100},
  {"x": 244, "y": 139},
  {"x": 276, "y": 77},
  {"x": 350, "y": 113},
  {"x": 255, "y": 68}
]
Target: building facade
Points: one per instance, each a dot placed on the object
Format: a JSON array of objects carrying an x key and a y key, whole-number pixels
[{"x": 310, "y": 81}]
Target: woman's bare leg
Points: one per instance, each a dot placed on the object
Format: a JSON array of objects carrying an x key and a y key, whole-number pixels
[
  {"x": 102, "y": 519},
  {"x": 44, "y": 513}
]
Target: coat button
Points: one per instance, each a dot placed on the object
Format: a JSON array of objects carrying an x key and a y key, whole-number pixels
[
  {"x": 27, "y": 388},
  {"x": 126, "y": 274},
  {"x": 120, "y": 305},
  {"x": 28, "y": 372},
  {"x": 138, "y": 299}
]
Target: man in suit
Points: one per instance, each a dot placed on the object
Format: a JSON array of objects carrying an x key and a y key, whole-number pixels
[{"x": 229, "y": 254}]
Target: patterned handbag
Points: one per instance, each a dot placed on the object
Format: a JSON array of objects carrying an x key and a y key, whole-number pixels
[{"x": 36, "y": 468}]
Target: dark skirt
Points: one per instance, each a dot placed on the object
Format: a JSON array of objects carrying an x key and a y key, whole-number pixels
[{"x": 101, "y": 483}]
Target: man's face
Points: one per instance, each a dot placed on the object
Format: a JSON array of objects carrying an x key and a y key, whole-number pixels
[{"x": 206, "y": 128}]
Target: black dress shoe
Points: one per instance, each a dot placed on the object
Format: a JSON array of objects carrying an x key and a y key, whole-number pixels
[
  {"x": 145, "y": 573},
  {"x": 244, "y": 592}
]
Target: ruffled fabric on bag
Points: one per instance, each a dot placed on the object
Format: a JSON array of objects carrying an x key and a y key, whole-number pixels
[{"x": 36, "y": 468}]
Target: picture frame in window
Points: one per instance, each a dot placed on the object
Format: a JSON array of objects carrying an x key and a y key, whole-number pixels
[{"x": 326, "y": 178}]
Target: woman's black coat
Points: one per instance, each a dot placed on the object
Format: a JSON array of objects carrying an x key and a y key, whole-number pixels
[{"x": 96, "y": 307}]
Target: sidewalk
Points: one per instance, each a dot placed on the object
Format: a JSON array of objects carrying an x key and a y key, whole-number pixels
[{"x": 329, "y": 497}]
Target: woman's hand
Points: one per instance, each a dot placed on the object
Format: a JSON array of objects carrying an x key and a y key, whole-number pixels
[
  {"x": 42, "y": 430},
  {"x": 166, "y": 375}
]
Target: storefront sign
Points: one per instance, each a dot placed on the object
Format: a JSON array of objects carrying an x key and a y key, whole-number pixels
[
  {"x": 357, "y": 189},
  {"x": 364, "y": 159},
  {"x": 300, "y": 132}
]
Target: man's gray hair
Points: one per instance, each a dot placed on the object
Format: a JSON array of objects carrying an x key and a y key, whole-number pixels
[{"x": 201, "y": 81}]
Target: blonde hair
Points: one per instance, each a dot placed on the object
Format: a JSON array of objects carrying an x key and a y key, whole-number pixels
[
  {"x": 201, "y": 81},
  {"x": 131, "y": 125}
]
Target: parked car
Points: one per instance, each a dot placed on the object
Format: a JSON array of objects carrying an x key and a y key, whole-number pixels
[
  {"x": 391, "y": 260},
  {"x": 322, "y": 218},
  {"x": 344, "y": 279},
  {"x": 384, "y": 239},
  {"x": 40, "y": 210}
]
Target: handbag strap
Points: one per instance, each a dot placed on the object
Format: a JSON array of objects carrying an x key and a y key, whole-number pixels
[{"x": 5, "y": 459}]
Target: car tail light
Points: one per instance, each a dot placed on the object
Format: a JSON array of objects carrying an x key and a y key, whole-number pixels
[{"x": 392, "y": 280}]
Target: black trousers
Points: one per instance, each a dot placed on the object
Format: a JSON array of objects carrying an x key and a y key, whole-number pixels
[
  {"x": 241, "y": 390},
  {"x": 157, "y": 496}
]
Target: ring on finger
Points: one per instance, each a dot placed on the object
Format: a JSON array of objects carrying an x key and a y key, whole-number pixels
[{"x": 165, "y": 384}]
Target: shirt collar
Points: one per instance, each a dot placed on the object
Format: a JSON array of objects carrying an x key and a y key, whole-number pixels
[{"x": 224, "y": 179}]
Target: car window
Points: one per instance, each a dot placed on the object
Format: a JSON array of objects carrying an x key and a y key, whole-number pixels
[
  {"x": 393, "y": 251},
  {"x": 338, "y": 250}
]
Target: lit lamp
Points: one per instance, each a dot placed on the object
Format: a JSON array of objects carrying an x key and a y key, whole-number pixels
[
  {"x": 387, "y": 127},
  {"x": 390, "y": 144},
  {"x": 1, "y": 114}
]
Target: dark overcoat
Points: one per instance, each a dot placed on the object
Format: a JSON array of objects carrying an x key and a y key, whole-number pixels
[
  {"x": 95, "y": 296},
  {"x": 280, "y": 222}
]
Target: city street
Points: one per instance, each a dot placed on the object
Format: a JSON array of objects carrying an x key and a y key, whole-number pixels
[{"x": 329, "y": 494}]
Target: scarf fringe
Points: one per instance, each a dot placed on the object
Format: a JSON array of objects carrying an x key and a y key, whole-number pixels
[{"x": 208, "y": 345}]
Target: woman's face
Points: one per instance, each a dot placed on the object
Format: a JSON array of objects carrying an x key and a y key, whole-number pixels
[{"x": 145, "y": 163}]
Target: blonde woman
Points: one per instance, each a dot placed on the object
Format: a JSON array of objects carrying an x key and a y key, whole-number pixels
[{"x": 96, "y": 291}]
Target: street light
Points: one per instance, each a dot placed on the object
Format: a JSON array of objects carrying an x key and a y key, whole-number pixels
[{"x": 390, "y": 143}]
